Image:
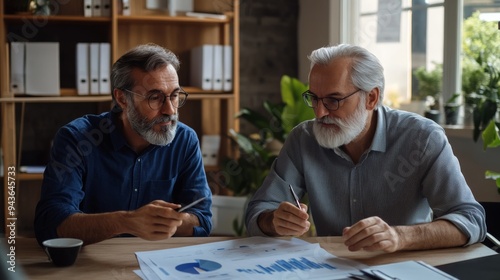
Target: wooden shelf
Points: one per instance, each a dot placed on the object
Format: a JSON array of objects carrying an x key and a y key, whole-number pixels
[
  {"x": 179, "y": 19},
  {"x": 29, "y": 176},
  {"x": 121, "y": 19},
  {"x": 77, "y": 19},
  {"x": 70, "y": 96}
]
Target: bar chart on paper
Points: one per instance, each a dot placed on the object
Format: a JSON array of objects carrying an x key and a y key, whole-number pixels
[
  {"x": 291, "y": 265},
  {"x": 247, "y": 258}
]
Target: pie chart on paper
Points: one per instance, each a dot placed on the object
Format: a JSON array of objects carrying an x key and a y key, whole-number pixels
[{"x": 198, "y": 267}]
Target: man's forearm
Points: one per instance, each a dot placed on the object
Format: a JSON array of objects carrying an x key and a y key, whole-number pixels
[
  {"x": 187, "y": 227},
  {"x": 265, "y": 223},
  {"x": 437, "y": 234},
  {"x": 92, "y": 228}
]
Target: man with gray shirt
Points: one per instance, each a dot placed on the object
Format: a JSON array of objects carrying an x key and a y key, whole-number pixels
[{"x": 383, "y": 179}]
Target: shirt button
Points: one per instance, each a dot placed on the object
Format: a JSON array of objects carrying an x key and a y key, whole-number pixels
[
  {"x": 139, "y": 160},
  {"x": 354, "y": 200},
  {"x": 135, "y": 189}
]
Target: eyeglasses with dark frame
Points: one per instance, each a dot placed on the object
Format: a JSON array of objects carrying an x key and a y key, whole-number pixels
[
  {"x": 157, "y": 99},
  {"x": 330, "y": 103}
]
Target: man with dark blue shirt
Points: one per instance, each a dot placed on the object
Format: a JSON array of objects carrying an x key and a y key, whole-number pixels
[{"x": 127, "y": 171}]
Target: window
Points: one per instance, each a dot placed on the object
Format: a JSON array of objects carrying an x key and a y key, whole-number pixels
[{"x": 407, "y": 34}]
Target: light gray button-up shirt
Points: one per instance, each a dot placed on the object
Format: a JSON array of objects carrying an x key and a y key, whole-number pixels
[{"x": 409, "y": 175}]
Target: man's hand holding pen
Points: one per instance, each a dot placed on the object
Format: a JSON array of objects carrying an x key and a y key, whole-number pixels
[
  {"x": 155, "y": 221},
  {"x": 160, "y": 219},
  {"x": 287, "y": 220}
]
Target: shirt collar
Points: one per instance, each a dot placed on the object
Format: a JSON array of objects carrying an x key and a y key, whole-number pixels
[{"x": 379, "y": 142}]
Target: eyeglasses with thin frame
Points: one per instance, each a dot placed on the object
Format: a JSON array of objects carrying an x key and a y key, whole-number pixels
[
  {"x": 330, "y": 103},
  {"x": 157, "y": 99}
]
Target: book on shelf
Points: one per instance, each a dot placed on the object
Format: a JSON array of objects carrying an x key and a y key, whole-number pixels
[
  {"x": 41, "y": 74},
  {"x": 211, "y": 67},
  {"x": 32, "y": 168},
  {"x": 206, "y": 15},
  {"x": 96, "y": 8}
]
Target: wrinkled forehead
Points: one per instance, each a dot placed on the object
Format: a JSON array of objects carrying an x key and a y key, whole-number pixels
[{"x": 332, "y": 77}]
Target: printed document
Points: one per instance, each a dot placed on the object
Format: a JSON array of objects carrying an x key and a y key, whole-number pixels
[{"x": 246, "y": 258}]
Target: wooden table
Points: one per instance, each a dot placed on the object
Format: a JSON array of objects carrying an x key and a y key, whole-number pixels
[{"x": 115, "y": 258}]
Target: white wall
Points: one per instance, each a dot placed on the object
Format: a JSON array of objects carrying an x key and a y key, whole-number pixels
[{"x": 319, "y": 22}]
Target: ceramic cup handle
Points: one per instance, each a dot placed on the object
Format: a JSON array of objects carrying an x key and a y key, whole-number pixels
[{"x": 47, "y": 253}]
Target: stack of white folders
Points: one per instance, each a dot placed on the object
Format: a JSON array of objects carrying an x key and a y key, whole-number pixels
[
  {"x": 212, "y": 67},
  {"x": 93, "y": 68},
  {"x": 34, "y": 68},
  {"x": 97, "y": 8}
]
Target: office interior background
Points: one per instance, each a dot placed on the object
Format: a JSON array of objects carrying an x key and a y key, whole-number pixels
[{"x": 276, "y": 37}]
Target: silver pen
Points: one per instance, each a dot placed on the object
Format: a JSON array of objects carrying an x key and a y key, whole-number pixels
[
  {"x": 295, "y": 197},
  {"x": 191, "y": 204}
]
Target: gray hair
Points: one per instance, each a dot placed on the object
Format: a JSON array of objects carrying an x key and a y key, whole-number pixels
[
  {"x": 366, "y": 70},
  {"x": 147, "y": 57}
]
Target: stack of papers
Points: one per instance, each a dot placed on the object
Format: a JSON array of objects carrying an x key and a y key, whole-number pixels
[
  {"x": 246, "y": 258},
  {"x": 407, "y": 270}
]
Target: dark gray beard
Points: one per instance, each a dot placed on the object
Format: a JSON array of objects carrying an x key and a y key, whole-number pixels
[{"x": 144, "y": 127}]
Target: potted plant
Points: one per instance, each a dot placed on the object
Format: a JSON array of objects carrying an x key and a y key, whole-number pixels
[
  {"x": 451, "y": 109},
  {"x": 259, "y": 150},
  {"x": 429, "y": 88},
  {"x": 480, "y": 75},
  {"x": 491, "y": 139}
]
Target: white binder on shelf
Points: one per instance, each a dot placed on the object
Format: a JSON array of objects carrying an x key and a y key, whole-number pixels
[
  {"x": 176, "y": 7},
  {"x": 17, "y": 67},
  {"x": 96, "y": 8},
  {"x": 201, "y": 66},
  {"x": 42, "y": 68},
  {"x": 210, "y": 145},
  {"x": 94, "y": 68},
  {"x": 218, "y": 64},
  {"x": 227, "y": 68},
  {"x": 82, "y": 68},
  {"x": 106, "y": 8},
  {"x": 104, "y": 68},
  {"x": 126, "y": 7},
  {"x": 87, "y": 8}
]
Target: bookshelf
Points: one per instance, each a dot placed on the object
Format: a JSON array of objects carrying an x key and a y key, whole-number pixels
[{"x": 208, "y": 112}]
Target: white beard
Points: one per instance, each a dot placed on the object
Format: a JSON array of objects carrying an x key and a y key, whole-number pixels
[{"x": 346, "y": 130}]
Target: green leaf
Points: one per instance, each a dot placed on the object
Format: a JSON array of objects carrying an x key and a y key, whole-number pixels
[
  {"x": 488, "y": 111},
  {"x": 491, "y": 138},
  {"x": 476, "y": 114},
  {"x": 287, "y": 90},
  {"x": 254, "y": 117},
  {"x": 494, "y": 176},
  {"x": 243, "y": 141},
  {"x": 295, "y": 111}
]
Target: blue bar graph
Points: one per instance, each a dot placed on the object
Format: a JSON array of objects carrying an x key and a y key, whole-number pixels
[{"x": 290, "y": 265}]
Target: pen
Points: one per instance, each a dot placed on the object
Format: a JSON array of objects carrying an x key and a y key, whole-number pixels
[
  {"x": 191, "y": 204},
  {"x": 295, "y": 197}
]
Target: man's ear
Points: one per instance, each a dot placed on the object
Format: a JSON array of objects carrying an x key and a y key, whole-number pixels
[
  {"x": 120, "y": 98},
  {"x": 372, "y": 99}
]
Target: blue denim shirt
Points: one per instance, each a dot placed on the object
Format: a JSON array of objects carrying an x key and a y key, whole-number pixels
[{"x": 93, "y": 170}]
